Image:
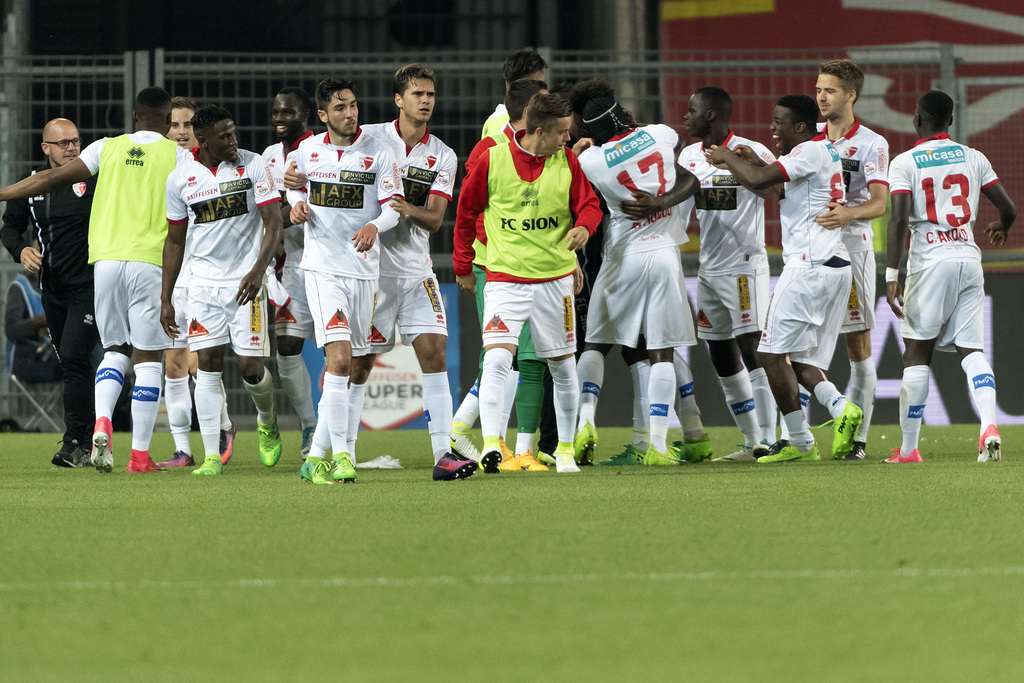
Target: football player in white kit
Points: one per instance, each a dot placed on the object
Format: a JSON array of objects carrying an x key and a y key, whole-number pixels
[
  {"x": 640, "y": 287},
  {"x": 409, "y": 300},
  {"x": 293, "y": 323},
  {"x": 732, "y": 284},
  {"x": 935, "y": 193},
  {"x": 351, "y": 179},
  {"x": 865, "y": 158},
  {"x": 224, "y": 196},
  {"x": 810, "y": 296}
]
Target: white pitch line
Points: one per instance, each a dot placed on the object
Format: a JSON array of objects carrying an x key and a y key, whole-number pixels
[{"x": 517, "y": 580}]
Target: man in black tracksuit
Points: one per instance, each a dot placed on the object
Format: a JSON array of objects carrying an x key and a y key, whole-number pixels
[{"x": 60, "y": 223}]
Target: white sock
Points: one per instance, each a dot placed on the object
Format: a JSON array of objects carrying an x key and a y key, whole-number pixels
[
  {"x": 524, "y": 442},
  {"x": 829, "y": 396},
  {"x": 511, "y": 386},
  {"x": 298, "y": 386},
  {"x": 497, "y": 368},
  {"x": 661, "y": 388},
  {"x": 799, "y": 431},
  {"x": 805, "y": 400},
  {"x": 336, "y": 392},
  {"x": 322, "y": 434},
  {"x": 356, "y": 399},
  {"x": 982, "y": 384},
  {"x": 913, "y": 397},
  {"x": 109, "y": 381},
  {"x": 739, "y": 396},
  {"x": 640, "y": 373},
  {"x": 208, "y": 403},
  {"x": 469, "y": 409},
  {"x": 566, "y": 396},
  {"x": 179, "y": 411},
  {"x": 590, "y": 376},
  {"x": 689, "y": 413},
  {"x": 145, "y": 403},
  {"x": 262, "y": 395},
  {"x": 437, "y": 406},
  {"x": 225, "y": 419},
  {"x": 863, "y": 381},
  {"x": 764, "y": 403}
]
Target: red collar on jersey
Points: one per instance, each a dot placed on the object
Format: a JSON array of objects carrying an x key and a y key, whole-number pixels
[
  {"x": 291, "y": 148},
  {"x": 937, "y": 136},
  {"x": 509, "y": 131},
  {"x": 327, "y": 137},
  {"x": 725, "y": 143},
  {"x": 423, "y": 140},
  {"x": 195, "y": 154},
  {"x": 823, "y": 135}
]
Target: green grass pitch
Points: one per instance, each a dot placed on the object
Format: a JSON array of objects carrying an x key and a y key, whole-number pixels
[{"x": 824, "y": 571}]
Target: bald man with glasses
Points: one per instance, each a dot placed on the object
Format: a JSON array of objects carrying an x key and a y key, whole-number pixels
[{"x": 60, "y": 221}]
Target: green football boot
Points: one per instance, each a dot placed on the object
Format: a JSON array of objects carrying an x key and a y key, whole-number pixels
[
  {"x": 844, "y": 430},
  {"x": 670, "y": 457},
  {"x": 791, "y": 454},
  {"x": 585, "y": 443},
  {"x": 212, "y": 465},
  {"x": 631, "y": 455},
  {"x": 316, "y": 471},
  {"x": 695, "y": 450},
  {"x": 270, "y": 442},
  {"x": 343, "y": 470}
]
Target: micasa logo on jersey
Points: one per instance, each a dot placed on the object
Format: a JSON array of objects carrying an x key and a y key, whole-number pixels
[
  {"x": 628, "y": 148},
  {"x": 435, "y": 300},
  {"x": 135, "y": 155},
  {"x": 939, "y": 157},
  {"x": 530, "y": 195}
]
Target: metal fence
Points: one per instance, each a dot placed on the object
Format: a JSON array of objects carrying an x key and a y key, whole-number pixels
[{"x": 96, "y": 93}]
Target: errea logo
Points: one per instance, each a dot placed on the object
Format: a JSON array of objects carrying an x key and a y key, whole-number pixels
[
  {"x": 628, "y": 147},
  {"x": 940, "y": 157},
  {"x": 530, "y": 196},
  {"x": 135, "y": 155}
]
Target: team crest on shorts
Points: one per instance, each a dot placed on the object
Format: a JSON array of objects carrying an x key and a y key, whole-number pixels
[
  {"x": 338, "y": 321},
  {"x": 702, "y": 319},
  {"x": 495, "y": 324},
  {"x": 376, "y": 337},
  {"x": 196, "y": 330},
  {"x": 284, "y": 316}
]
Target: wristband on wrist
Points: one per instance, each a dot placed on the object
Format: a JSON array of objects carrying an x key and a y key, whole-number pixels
[{"x": 892, "y": 274}]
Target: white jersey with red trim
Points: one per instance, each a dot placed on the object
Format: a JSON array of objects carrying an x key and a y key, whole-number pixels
[
  {"x": 275, "y": 157},
  {"x": 945, "y": 180},
  {"x": 345, "y": 189},
  {"x": 643, "y": 159},
  {"x": 427, "y": 168},
  {"x": 731, "y": 217},
  {"x": 814, "y": 177},
  {"x": 865, "y": 158},
  {"x": 222, "y": 207}
]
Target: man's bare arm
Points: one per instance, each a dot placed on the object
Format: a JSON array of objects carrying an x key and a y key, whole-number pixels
[{"x": 47, "y": 181}]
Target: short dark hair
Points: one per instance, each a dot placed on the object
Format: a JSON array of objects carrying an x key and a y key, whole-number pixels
[
  {"x": 299, "y": 94},
  {"x": 717, "y": 99},
  {"x": 208, "y": 116},
  {"x": 803, "y": 108},
  {"x": 544, "y": 109},
  {"x": 604, "y": 118},
  {"x": 409, "y": 73},
  {"x": 329, "y": 87},
  {"x": 518, "y": 96},
  {"x": 590, "y": 89},
  {"x": 181, "y": 102},
  {"x": 849, "y": 74},
  {"x": 521, "y": 64},
  {"x": 936, "y": 106},
  {"x": 153, "y": 97}
]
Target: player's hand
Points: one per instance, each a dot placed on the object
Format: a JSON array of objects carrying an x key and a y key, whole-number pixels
[
  {"x": 31, "y": 259},
  {"x": 577, "y": 279},
  {"x": 746, "y": 153},
  {"x": 838, "y": 217},
  {"x": 577, "y": 237},
  {"x": 402, "y": 207},
  {"x": 894, "y": 295},
  {"x": 365, "y": 238},
  {"x": 167, "y": 321},
  {"x": 642, "y": 205},
  {"x": 996, "y": 234},
  {"x": 467, "y": 283},
  {"x": 717, "y": 155},
  {"x": 300, "y": 212},
  {"x": 250, "y": 286},
  {"x": 293, "y": 180},
  {"x": 581, "y": 145}
]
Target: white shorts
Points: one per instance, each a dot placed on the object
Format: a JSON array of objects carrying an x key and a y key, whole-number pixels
[
  {"x": 548, "y": 306},
  {"x": 179, "y": 299},
  {"x": 342, "y": 309},
  {"x": 945, "y": 302},
  {"x": 805, "y": 313},
  {"x": 860, "y": 309},
  {"x": 294, "y": 320},
  {"x": 412, "y": 305},
  {"x": 216, "y": 320},
  {"x": 638, "y": 294},
  {"x": 127, "y": 303},
  {"x": 731, "y": 305}
]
